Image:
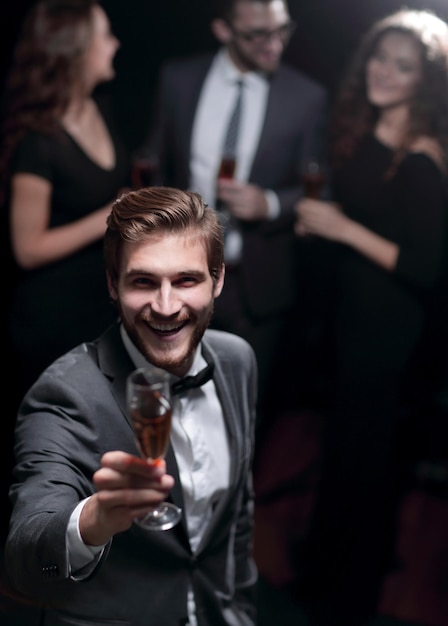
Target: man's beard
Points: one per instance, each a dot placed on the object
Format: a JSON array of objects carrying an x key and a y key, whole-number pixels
[
  {"x": 251, "y": 64},
  {"x": 169, "y": 363}
]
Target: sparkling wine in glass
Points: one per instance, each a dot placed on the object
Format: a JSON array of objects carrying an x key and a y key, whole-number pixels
[
  {"x": 227, "y": 167},
  {"x": 150, "y": 409},
  {"x": 312, "y": 176}
]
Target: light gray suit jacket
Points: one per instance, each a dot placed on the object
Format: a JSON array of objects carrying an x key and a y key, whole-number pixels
[{"x": 74, "y": 414}]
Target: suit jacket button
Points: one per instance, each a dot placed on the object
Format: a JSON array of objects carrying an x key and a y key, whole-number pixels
[{"x": 50, "y": 570}]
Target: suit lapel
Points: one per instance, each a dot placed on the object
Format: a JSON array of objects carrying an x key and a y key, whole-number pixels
[
  {"x": 191, "y": 90},
  {"x": 269, "y": 130},
  {"x": 116, "y": 365},
  {"x": 224, "y": 379}
]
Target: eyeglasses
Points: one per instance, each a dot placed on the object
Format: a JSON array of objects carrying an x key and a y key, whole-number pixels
[{"x": 260, "y": 37}]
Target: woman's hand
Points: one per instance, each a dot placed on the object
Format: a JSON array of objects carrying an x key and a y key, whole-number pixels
[{"x": 325, "y": 219}]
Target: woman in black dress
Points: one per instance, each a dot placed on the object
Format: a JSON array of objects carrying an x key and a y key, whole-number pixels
[
  {"x": 386, "y": 229},
  {"x": 61, "y": 167}
]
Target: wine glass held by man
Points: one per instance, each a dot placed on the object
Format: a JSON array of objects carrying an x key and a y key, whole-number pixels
[
  {"x": 79, "y": 483},
  {"x": 150, "y": 408},
  {"x": 386, "y": 226},
  {"x": 62, "y": 164}
]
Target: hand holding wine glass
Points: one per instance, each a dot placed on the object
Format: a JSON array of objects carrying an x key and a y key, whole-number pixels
[
  {"x": 150, "y": 409},
  {"x": 312, "y": 178}
]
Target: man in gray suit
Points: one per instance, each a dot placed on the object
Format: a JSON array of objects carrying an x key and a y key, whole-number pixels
[
  {"x": 282, "y": 120},
  {"x": 77, "y": 485}
]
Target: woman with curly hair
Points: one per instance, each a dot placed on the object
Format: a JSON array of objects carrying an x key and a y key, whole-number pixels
[
  {"x": 61, "y": 166},
  {"x": 386, "y": 226}
]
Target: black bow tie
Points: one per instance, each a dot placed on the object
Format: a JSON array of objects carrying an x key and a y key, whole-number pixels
[{"x": 190, "y": 382}]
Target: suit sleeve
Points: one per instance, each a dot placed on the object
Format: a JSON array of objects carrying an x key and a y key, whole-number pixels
[{"x": 49, "y": 480}]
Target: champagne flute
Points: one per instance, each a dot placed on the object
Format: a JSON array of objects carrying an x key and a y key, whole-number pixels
[
  {"x": 227, "y": 167},
  {"x": 232, "y": 236},
  {"x": 312, "y": 174},
  {"x": 150, "y": 409}
]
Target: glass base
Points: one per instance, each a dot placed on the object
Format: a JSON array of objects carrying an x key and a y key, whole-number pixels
[{"x": 163, "y": 518}]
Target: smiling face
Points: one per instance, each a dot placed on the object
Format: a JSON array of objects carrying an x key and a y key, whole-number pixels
[
  {"x": 394, "y": 71},
  {"x": 165, "y": 296},
  {"x": 257, "y": 34}
]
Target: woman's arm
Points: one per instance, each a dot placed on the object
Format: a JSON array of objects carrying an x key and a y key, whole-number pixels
[
  {"x": 327, "y": 220},
  {"x": 35, "y": 244}
]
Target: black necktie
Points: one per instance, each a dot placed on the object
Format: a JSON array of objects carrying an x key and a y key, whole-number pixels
[
  {"x": 190, "y": 382},
  {"x": 231, "y": 136}
]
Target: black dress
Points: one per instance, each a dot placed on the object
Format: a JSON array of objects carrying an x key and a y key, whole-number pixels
[
  {"x": 66, "y": 302},
  {"x": 380, "y": 314},
  {"x": 379, "y": 319}
]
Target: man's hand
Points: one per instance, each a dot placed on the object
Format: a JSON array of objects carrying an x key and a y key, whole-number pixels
[
  {"x": 245, "y": 201},
  {"x": 128, "y": 487}
]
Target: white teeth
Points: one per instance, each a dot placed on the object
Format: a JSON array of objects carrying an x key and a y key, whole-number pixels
[{"x": 165, "y": 328}]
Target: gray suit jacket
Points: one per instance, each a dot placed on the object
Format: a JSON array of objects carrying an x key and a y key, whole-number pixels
[
  {"x": 75, "y": 413},
  {"x": 294, "y": 125}
]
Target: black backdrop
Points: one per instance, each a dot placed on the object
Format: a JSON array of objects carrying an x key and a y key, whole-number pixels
[{"x": 153, "y": 30}]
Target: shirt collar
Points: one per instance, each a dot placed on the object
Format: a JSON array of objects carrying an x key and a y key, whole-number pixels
[{"x": 231, "y": 73}]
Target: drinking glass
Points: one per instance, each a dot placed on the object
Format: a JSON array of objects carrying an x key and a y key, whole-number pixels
[
  {"x": 312, "y": 174},
  {"x": 150, "y": 409},
  {"x": 227, "y": 167}
]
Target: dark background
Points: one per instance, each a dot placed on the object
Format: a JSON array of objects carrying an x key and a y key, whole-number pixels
[{"x": 151, "y": 31}]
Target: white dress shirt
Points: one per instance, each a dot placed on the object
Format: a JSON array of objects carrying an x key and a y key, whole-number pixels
[
  {"x": 200, "y": 442},
  {"x": 213, "y": 112}
]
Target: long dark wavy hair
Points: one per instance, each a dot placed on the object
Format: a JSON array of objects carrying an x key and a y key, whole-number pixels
[
  {"x": 354, "y": 117},
  {"x": 47, "y": 63}
]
